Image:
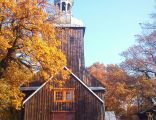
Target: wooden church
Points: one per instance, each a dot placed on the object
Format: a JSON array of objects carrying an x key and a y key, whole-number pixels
[{"x": 82, "y": 96}]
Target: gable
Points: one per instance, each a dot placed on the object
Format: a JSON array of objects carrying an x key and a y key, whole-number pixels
[
  {"x": 86, "y": 105},
  {"x": 75, "y": 78}
]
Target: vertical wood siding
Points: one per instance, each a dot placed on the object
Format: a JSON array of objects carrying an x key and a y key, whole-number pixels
[
  {"x": 72, "y": 44},
  {"x": 42, "y": 106},
  {"x": 86, "y": 106}
]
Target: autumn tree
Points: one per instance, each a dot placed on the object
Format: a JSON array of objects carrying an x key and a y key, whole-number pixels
[
  {"x": 141, "y": 58},
  {"x": 142, "y": 92},
  {"x": 114, "y": 78},
  {"x": 27, "y": 47},
  {"x": 98, "y": 70},
  {"x": 123, "y": 91},
  {"x": 140, "y": 61}
]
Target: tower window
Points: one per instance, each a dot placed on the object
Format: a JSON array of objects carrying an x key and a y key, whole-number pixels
[
  {"x": 63, "y": 6},
  {"x": 68, "y": 7},
  {"x": 72, "y": 39},
  {"x": 58, "y": 6}
]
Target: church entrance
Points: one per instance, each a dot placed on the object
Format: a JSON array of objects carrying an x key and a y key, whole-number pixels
[{"x": 64, "y": 116}]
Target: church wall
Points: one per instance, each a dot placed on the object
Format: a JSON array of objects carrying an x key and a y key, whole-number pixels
[
  {"x": 43, "y": 107},
  {"x": 72, "y": 44}
]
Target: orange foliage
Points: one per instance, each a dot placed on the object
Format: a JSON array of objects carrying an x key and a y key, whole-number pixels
[
  {"x": 122, "y": 89},
  {"x": 27, "y": 46}
]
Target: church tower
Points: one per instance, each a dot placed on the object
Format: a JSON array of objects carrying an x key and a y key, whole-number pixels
[
  {"x": 76, "y": 99},
  {"x": 64, "y": 5},
  {"x": 71, "y": 36}
]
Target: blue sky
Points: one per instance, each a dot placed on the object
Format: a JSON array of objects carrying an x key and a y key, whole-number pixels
[{"x": 111, "y": 26}]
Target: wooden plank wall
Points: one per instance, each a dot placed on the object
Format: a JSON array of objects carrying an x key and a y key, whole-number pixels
[
  {"x": 86, "y": 105},
  {"x": 72, "y": 44}
]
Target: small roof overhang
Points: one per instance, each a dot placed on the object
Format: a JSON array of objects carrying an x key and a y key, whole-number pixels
[
  {"x": 29, "y": 88},
  {"x": 97, "y": 88}
]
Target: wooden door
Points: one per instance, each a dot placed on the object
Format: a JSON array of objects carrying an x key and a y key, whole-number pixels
[{"x": 64, "y": 116}]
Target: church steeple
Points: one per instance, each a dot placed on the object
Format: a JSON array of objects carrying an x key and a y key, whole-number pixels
[
  {"x": 71, "y": 36},
  {"x": 63, "y": 15},
  {"x": 64, "y": 6}
]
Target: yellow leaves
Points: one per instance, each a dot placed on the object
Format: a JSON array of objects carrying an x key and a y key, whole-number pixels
[
  {"x": 16, "y": 75},
  {"x": 121, "y": 89},
  {"x": 7, "y": 3},
  {"x": 4, "y": 45},
  {"x": 59, "y": 83},
  {"x": 9, "y": 96},
  {"x": 16, "y": 98},
  {"x": 4, "y": 95},
  {"x": 44, "y": 75},
  {"x": 50, "y": 58},
  {"x": 27, "y": 31}
]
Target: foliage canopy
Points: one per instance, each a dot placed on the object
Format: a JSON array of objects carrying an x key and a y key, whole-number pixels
[
  {"x": 27, "y": 47},
  {"x": 123, "y": 92}
]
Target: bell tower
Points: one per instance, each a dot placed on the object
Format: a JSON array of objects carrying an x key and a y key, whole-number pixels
[
  {"x": 63, "y": 11},
  {"x": 71, "y": 36},
  {"x": 64, "y": 6}
]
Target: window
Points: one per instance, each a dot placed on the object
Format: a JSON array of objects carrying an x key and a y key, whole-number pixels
[
  {"x": 72, "y": 39},
  {"x": 68, "y": 7},
  {"x": 69, "y": 95},
  {"x": 59, "y": 95},
  {"x": 64, "y": 95},
  {"x": 58, "y": 5},
  {"x": 63, "y": 6}
]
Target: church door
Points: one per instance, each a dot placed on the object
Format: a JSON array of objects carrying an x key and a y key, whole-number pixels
[{"x": 64, "y": 116}]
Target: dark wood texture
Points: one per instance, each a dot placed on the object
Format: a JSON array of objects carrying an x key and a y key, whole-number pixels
[
  {"x": 72, "y": 44},
  {"x": 86, "y": 105},
  {"x": 64, "y": 116},
  {"x": 42, "y": 106}
]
